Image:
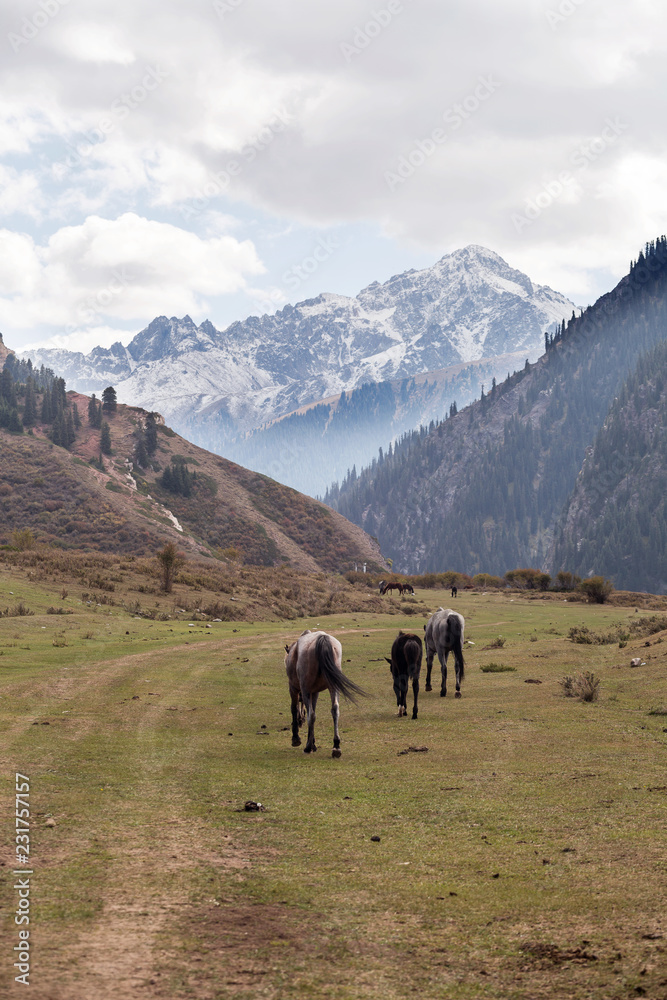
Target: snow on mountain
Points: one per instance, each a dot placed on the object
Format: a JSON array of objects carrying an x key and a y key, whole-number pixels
[{"x": 470, "y": 304}]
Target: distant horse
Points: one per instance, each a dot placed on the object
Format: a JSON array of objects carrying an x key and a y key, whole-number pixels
[
  {"x": 393, "y": 586},
  {"x": 313, "y": 664},
  {"x": 444, "y": 635},
  {"x": 455, "y": 591},
  {"x": 382, "y": 586},
  {"x": 406, "y": 663},
  {"x": 408, "y": 588}
]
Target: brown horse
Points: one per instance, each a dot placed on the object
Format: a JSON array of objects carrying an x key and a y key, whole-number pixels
[
  {"x": 393, "y": 586},
  {"x": 313, "y": 664}
]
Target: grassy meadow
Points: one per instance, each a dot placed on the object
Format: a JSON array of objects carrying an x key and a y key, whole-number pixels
[{"x": 522, "y": 855}]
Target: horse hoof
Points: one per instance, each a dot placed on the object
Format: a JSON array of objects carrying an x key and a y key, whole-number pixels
[
  {"x": 458, "y": 694},
  {"x": 443, "y": 694},
  {"x": 296, "y": 742},
  {"x": 428, "y": 687},
  {"x": 308, "y": 749},
  {"x": 335, "y": 752}
]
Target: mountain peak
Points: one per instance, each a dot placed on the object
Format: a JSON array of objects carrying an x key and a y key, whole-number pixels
[{"x": 469, "y": 305}]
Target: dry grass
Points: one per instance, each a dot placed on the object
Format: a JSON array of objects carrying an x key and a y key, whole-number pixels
[{"x": 584, "y": 686}]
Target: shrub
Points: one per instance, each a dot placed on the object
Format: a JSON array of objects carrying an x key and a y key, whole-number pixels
[
  {"x": 596, "y": 589},
  {"x": 497, "y": 643},
  {"x": 485, "y": 580},
  {"x": 19, "y": 611},
  {"x": 496, "y": 668},
  {"x": 170, "y": 560},
  {"x": 23, "y": 539},
  {"x": 584, "y": 686}
]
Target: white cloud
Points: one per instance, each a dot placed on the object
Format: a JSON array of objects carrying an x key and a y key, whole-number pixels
[
  {"x": 128, "y": 268},
  {"x": 83, "y": 340},
  {"x": 92, "y": 42}
]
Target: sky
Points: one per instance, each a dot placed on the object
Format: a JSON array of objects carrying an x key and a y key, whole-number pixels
[{"x": 225, "y": 157}]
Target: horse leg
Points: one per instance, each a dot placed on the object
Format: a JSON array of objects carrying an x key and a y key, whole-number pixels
[
  {"x": 401, "y": 689},
  {"x": 457, "y": 671},
  {"x": 310, "y": 702},
  {"x": 429, "y": 666},
  {"x": 296, "y": 740},
  {"x": 415, "y": 692},
  {"x": 335, "y": 712},
  {"x": 397, "y": 692},
  {"x": 443, "y": 666}
]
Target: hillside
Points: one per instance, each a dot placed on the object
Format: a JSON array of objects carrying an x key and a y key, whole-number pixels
[
  {"x": 211, "y": 385},
  {"x": 483, "y": 491},
  {"x": 317, "y": 444},
  {"x": 616, "y": 518},
  {"x": 77, "y": 497},
  {"x": 4, "y": 351}
]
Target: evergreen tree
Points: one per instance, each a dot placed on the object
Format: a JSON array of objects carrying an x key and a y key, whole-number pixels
[
  {"x": 140, "y": 453},
  {"x": 105, "y": 439},
  {"x": 109, "y": 403},
  {"x": 30, "y": 408},
  {"x": 95, "y": 412},
  {"x": 150, "y": 434}
]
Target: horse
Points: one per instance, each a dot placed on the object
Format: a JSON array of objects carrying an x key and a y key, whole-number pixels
[
  {"x": 408, "y": 589},
  {"x": 405, "y": 664},
  {"x": 313, "y": 664},
  {"x": 382, "y": 586},
  {"x": 444, "y": 635},
  {"x": 393, "y": 586},
  {"x": 455, "y": 591}
]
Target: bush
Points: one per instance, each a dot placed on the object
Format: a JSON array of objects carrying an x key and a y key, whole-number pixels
[
  {"x": 497, "y": 643},
  {"x": 19, "y": 610},
  {"x": 596, "y": 589},
  {"x": 584, "y": 686},
  {"x": 496, "y": 668},
  {"x": 23, "y": 539},
  {"x": 485, "y": 580},
  {"x": 170, "y": 560}
]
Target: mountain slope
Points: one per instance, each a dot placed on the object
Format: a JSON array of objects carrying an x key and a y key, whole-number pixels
[
  {"x": 469, "y": 305},
  {"x": 317, "y": 445},
  {"x": 616, "y": 519},
  {"x": 484, "y": 490},
  {"x": 67, "y": 501}
]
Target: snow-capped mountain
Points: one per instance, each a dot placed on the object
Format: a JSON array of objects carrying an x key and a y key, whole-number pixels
[{"x": 469, "y": 305}]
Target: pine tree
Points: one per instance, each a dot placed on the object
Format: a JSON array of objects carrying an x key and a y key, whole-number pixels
[
  {"x": 150, "y": 434},
  {"x": 105, "y": 439},
  {"x": 140, "y": 453},
  {"x": 109, "y": 403},
  {"x": 30, "y": 408},
  {"x": 95, "y": 412},
  {"x": 47, "y": 409}
]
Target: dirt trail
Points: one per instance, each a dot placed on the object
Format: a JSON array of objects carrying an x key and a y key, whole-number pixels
[{"x": 116, "y": 958}]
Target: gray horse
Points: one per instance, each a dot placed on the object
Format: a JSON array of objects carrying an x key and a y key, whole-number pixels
[{"x": 444, "y": 635}]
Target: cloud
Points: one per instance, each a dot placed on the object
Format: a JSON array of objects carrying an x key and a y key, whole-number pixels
[
  {"x": 299, "y": 110},
  {"x": 124, "y": 269}
]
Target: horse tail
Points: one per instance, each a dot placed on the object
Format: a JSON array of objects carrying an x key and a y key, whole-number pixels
[
  {"x": 412, "y": 651},
  {"x": 332, "y": 674},
  {"x": 456, "y": 630}
]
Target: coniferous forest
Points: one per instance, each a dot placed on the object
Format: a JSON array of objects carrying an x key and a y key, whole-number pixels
[{"x": 487, "y": 488}]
